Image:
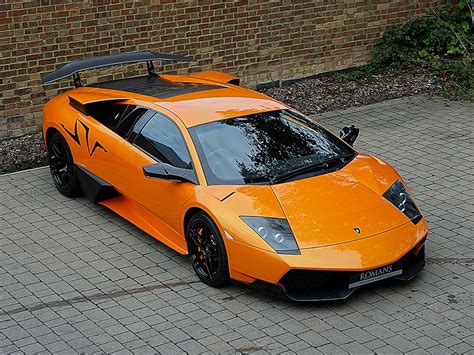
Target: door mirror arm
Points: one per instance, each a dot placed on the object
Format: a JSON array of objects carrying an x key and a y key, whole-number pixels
[
  {"x": 349, "y": 134},
  {"x": 169, "y": 172}
]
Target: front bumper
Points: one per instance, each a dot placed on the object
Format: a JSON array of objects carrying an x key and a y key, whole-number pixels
[
  {"x": 325, "y": 273},
  {"x": 314, "y": 285}
]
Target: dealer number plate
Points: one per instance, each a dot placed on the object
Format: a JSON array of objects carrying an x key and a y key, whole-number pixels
[{"x": 369, "y": 276}]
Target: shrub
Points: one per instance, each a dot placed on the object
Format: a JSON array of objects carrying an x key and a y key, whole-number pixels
[
  {"x": 434, "y": 35},
  {"x": 441, "y": 41}
]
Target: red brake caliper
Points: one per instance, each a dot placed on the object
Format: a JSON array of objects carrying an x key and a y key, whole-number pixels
[{"x": 199, "y": 232}]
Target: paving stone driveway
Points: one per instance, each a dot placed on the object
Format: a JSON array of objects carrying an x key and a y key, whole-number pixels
[{"x": 74, "y": 276}]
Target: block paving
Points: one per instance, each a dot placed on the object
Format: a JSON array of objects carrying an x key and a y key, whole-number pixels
[{"x": 75, "y": 277}]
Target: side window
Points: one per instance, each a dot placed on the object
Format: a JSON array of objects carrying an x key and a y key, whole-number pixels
[
  {"x": 109, "y": 113},
  {"x": 162, "y": 139},
  {"x": 130, "y": 119}
]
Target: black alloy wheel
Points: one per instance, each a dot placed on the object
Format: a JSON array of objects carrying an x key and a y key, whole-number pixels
[
  {"x": 61, "y": 166},
  {"x": 207, "y": 251}
]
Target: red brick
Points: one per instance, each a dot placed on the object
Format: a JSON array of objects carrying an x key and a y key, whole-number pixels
[{"x": 253, "y": 41}]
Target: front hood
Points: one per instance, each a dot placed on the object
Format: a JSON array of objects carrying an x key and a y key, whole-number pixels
[{"x": 328, "y": 209}]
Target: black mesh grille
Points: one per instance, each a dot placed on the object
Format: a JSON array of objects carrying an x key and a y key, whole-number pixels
[{"x": 314, "y": 280}]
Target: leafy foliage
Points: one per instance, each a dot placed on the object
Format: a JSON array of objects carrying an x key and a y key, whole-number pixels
[
  {"x": 443, "y": 42},
  {"x": 448, "y": 33}
]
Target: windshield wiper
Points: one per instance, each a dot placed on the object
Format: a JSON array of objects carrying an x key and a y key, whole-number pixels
[
  {"x": 330, "y": 163},
  {"x": 257, "y": 179}
]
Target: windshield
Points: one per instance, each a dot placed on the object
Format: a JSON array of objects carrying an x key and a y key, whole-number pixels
[{"x": 260, "y": 147}]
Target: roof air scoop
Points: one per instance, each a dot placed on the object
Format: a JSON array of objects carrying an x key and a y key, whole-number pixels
[{"x": 218, "y": 77}]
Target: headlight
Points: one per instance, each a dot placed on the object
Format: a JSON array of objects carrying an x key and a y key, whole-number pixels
[
  {"x": 401, "y": 199},
  {"x": 276, "y": 232}
]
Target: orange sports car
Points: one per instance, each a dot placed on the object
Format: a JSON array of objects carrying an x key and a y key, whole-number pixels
[{"x": 251, "y": 189}]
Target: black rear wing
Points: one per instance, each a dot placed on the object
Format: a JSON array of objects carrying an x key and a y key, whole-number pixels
[{"x": 74, "y": 68}]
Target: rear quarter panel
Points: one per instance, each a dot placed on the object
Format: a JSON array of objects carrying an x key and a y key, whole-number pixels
[{"x": 57, "y": 114}]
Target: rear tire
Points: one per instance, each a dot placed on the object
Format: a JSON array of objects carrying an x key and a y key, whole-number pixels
[
  {"x": 61, "y": 166},
  {"x": 207, "y": 251}
]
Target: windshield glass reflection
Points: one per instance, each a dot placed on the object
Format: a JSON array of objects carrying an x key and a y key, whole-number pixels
[{"x": 256, "y": 148}]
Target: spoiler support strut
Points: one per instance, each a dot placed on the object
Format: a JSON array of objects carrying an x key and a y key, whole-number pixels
[
  {"x": 151, "y": 68},
  {"x": 76, "y": 79}
]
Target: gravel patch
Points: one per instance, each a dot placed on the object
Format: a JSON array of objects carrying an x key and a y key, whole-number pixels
[
  {"x": 337, "y": 91},
  {"x": 328, "y": 92},
  {"x": 22, "y": 153}
]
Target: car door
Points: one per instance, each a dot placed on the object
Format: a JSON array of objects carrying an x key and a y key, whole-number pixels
[{"x": 155, "y": 138}]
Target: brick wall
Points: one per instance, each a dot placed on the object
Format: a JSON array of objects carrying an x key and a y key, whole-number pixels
[{"x": 260, "y": 41}]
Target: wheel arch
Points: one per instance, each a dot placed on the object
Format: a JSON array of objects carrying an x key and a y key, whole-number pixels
[
  {"x": 189, "y": 213},
  {"x": 223, "y": 271},
  {"x": 50, "y": 131},
  {"x": 192, "y": 210},
  {"x": 230, "y": 243}
]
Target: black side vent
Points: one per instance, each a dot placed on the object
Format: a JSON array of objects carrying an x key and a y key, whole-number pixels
[{"x": 235, "y": 81}]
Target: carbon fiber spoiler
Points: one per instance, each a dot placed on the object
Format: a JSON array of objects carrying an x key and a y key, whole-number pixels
[{"x": 74, "y": 68}]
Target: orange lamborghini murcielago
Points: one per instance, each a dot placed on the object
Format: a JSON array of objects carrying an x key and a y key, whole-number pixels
[{"x": 251, "y": 189}]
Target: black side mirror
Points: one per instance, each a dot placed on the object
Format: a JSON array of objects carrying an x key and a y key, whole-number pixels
[
  {"x": 169, "y": 172},
  {"x": 349, "y": 134}
]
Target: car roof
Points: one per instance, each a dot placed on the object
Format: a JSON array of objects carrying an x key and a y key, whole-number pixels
[{"x": 194, "y": 100}]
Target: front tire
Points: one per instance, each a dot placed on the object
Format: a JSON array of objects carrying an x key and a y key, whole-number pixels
[
  {"x": 61, "y": 166},
  {"x": 207, "y": 251}
]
